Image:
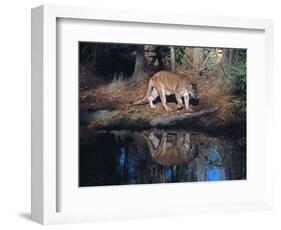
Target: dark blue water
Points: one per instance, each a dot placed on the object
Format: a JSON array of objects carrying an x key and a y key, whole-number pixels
[{"x": 157, "y": 156}]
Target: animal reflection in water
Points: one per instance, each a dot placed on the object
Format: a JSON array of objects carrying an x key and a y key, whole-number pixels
[
  {"x": 157, "y": 156},
  {"x": 176, "y": 151}
]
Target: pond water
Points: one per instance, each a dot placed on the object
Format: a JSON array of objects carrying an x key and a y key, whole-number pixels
[{"x": 158, "y": 156}]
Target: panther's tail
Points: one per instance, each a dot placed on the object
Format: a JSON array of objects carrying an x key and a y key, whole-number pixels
[{"x": 148, "y": 91}]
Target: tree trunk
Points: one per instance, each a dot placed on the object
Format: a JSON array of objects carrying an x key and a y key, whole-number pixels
[
  {"x": 159, "y": 57},
  {"x": 173, "y": 59},
  {"x": 227, "y": 61},
  {"x": 230, "y": 57},
  {"x": 139, "y": 64},
  {"x": 198, "y": 58},
  {"x": 190, "y": 53}
]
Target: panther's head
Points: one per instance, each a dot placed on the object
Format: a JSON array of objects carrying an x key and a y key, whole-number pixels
[
  {"x": 194, "y": 100},
  {"x": 193, "y": 90}
]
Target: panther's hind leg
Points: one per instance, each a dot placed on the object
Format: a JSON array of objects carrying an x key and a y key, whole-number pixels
[
  {"x": 153, "y": 95},
  {"x": 161, "y": 91}
]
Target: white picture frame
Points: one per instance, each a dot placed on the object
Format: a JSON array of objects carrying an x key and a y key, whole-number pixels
[{"x": 44, "y": 172}]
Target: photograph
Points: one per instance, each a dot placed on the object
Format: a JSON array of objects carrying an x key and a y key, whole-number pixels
[
  {"x": 143, "y": 112},
  {"x": 152, "y": 113}
]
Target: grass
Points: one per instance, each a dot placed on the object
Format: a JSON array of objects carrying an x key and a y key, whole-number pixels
[{"x": 117, "y": 84}]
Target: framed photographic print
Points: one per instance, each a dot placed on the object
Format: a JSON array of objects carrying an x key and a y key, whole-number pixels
[{"x": 138, "y": 114}]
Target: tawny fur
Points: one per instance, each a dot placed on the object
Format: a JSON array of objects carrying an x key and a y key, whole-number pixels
[{"x": 166, "y": 83}]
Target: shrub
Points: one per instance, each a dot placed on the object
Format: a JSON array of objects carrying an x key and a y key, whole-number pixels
[{"x": 238, "y": 72}]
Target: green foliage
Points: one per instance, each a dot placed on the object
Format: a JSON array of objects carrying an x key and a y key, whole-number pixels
[
  {"x": 179, "y": 55},
  {"x": 238, "y": 71},
  {"x": 238, "y": 104},
  {"x": 163, "y": 51}
]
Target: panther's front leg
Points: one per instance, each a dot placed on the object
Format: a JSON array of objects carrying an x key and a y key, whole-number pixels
[
  {"x": 179, "y": 100},
  {"x": 186, "y": 103}
]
